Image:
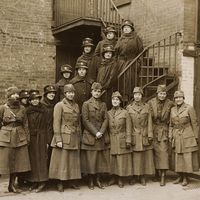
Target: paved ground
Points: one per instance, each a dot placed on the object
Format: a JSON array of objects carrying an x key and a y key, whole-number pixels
[{"x": 136, "y": 192}]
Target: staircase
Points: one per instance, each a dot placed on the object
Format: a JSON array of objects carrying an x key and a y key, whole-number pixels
[{"x": 156, "y": 64}]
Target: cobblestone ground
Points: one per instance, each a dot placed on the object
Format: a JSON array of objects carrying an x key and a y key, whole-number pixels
[{"x": 135, "y": 192}]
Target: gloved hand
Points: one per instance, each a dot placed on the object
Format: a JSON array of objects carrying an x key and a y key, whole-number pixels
[
  {"x": 128, "y": 145},
  {"x": 59, "y": 144}
]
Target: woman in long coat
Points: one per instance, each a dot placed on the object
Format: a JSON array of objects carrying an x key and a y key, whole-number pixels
[
  {"x": 95, "y": 141},
  {"x": 160, "y": 109},
  {"x": 142, "y": 136},
  {"x": 38, "y": 126},
  {"x": 121, "y": 163},
  {"x": 65, "y": 159},
  {"x": 184, "y": 135},
  {"x": 14, "y": 138}
]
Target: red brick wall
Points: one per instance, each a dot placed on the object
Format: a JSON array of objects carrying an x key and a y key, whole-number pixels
[{"x": 27, "y": 57}]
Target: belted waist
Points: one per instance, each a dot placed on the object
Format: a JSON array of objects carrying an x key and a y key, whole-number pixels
[
  {"x": 181, "y": 126},
  {"x": 12, "y": 124},
  {"x": 159, "y": 123}
]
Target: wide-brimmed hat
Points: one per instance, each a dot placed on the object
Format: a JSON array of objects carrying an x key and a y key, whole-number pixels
[
  {"x": 179, "y": 93},
  {"x": 49, "y": 88},
  {"x": 12, "y": 90},
  {"x": 96, "y": 86},
  {"x": 24, "y": 94},
  {"x": 128, "y": 23},
  {"x": 117, "y": 94},
  {"x": 35, "y": 94},
  {"x": 66, "y": 68},
  {"x": 138, "y": 90}
]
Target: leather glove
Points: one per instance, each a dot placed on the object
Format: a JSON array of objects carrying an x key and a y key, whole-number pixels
[
  {"x": 150, "y": 139},
  {"x": 59, "y": 144},
  {"x": 197, "y": 140}
]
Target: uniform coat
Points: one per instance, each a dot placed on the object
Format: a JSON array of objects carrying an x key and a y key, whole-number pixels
[
  {"x": 82, "y": 87},
  {"x": 60, "y": 88},
  {"x": 65, "y": 161},
  {"x": 14, "y": 137},
  {"x": 184, "y": 131},
  {"x": 93, "y": 63},
  {"x": 160, "y": 111},
  {"x": 99, "y": 48},
  {"x": 95, "y": 152},
  {"x": 120, "y": 135},
  {"x": 38, "y": 128},
  {"x": 141, "y": 133}
]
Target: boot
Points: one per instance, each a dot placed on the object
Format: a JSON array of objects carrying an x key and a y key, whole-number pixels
[
  {"x": 156, "y": 177},
  {"x": 162, "y": 180},
  {"x": 98, "y": 182},
  {"x": 112, "y": 181},
  {"x": 185, "y": 180},
  {"x": 91, "y": 182},
  {"x": 74, "y": 185},
  {"x": 143, "y": 180},
  {"x": 11, "y": 186},
  {"x": 40, "y": 187},
  {"x": 132, "y": 181},
  {"x": 120, "y": 182},
  {"x": 179, "y": 179},
  {"x": 60, "y": 186}
]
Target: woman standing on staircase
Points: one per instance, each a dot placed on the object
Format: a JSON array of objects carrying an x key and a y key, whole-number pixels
[
  {"x": 142, "y": 136},
  {"x": 183, "y": 134}
]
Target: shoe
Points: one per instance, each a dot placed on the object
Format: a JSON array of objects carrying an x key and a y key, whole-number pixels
[
  {"x": 91, "y": 183},
  {"x": 60, "y": 187},
  {"x": 162, "y": 181},
  {"x": 120, "y": 183},
  {"x": 178, "y": 180},
  {"x": 99, "y": 184},
  {"x": 40, "y": 187},
  {"x": 12, "y": 188},
  {"x": 112, "y": 181},
  {"x": 143, "y": 181},
  {"x": 132, "y": 181},
  {"x": 185, "y": 181},
  {"x": 33, "y": 186},
  {"x": 74, "y": 186}
]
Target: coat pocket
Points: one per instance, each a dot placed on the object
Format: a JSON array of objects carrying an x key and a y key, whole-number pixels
[
  {"x": 190, "y": 141},
  {"x": 133, "y": 140},
  {"x": 145, "y": 141},
  {"x": 5, "y": 134},
  {"x": 22, "y": 134},
  {"x": 66, "y": 138},
  {"x": 123, "y": 143},
  {"x": 87, "y": 138}
]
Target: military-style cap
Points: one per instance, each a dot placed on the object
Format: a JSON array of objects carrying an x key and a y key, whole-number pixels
[
  {"x": 81, "y": 64},
  {"x": 96, "y": 86},
  {"x": 110, "y": 29},
  {"x": 24, "y": 94},
  {"x": 179, "y": 93},
  {"x": 128, "y": 23},
  {"x": 87, "y": 42},
  {"x": 69, "y": 88},
  {"x": 161, "y": 88},
  {"x": 137, "y": 90},
  {"x": 66, "y": 68},
  {"x": 34, "y": 94},
  {"x": 108, "y": 48},
  {"x": 49, "y": 88},
  {"x": 117, "y": 94},
  {"x": 11, "y": 90}
]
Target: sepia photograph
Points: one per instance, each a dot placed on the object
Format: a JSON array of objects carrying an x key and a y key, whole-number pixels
[{"x": 100, "y": 99}]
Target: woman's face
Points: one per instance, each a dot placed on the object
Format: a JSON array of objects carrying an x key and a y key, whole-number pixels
[
  {"x": 127, "y": 29},
  {"x": 179, "y": 100},
  {"x": 14, "y": 96},
  {"x": 51, "y": 95},
  {"x": 108, "y": 55},
  {"x": 110, "y": 35},
  {"x": 96, "y": 93},
  {"x": 66, "y": 75},
  {"x": 162, "y": 96},
  {"x": 116, "y": 101},
  {"x": 82, "y": 72},
  {"x": 24, "y": 101},
  {"x": 70, "y": 95},
  {"x": 137, "y": 96},
  {"x": 87, "y": 49},
  {"x": 35, "y": 101}
]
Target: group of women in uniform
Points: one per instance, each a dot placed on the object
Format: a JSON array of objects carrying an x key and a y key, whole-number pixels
[{"x": 71, "y": 133}]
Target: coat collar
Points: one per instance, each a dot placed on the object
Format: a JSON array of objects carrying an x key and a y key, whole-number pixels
[
  {"x": 71, "y": 106},
  {"x": 95, "y": 102},
  {"x": 115, "y": 112},
  {"x": 138, "y": 107},
  {"x": 181, "y": 109}
]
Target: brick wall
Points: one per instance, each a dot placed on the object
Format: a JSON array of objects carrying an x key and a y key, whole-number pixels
[{"x": 27, "y": 57}]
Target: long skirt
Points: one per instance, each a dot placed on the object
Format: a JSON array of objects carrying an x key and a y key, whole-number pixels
[
  {"x": 14, "y": 160},
  {"x": 65, "y": 164},
  {"x": 121, "y": 165},
  {"x": 93, "y": 162},
  {"x": 143, "y": 162},
  {"x": 186, "y": 162},
  {"x": 161, "y": 155}
]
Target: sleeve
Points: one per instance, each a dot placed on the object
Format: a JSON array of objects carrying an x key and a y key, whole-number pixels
[
  {"x": 1, "y": 115},
  {"x": 139, "y": 45},
  {"x": 105, "y": 122},
  {"x": 150, "y": 124},
  {"x": 49, "y": 127},
  {"x": 86, "y": 122},
  {"x": 57, "y": 115},
  {"x": 97, "y": 51},
  {"x": 194, "y": 123},
  {"x": 128, "y": 128},
  {"x": 170, "y": 125},
  {"x": 26, "y": 127}
]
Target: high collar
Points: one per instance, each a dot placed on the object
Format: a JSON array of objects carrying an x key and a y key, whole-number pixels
[{"x": 129, "y": 35}]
